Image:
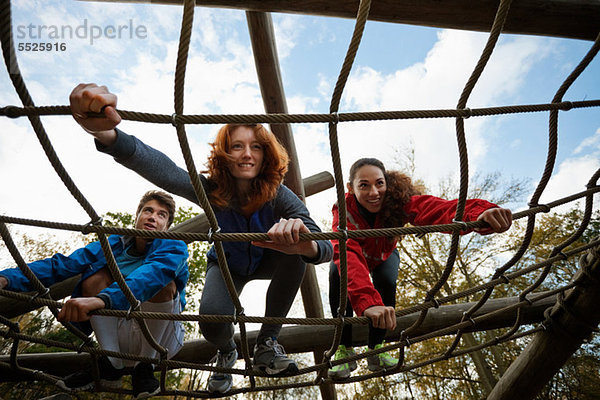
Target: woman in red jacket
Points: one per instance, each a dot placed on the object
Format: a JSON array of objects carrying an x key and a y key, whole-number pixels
[{"x": 378, "y": 198}]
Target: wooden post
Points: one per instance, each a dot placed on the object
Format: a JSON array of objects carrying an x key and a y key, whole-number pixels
[
  {"x": 569, "y": 326},
  {"x": 264, "y": 48}
]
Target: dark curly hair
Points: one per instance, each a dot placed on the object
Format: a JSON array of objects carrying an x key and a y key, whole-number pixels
[{"x": 399, "y": 191}]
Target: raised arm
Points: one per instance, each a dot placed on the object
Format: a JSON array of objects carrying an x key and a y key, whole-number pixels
[
  {"x": 89, "y": 97},
  {"x": 431, "y": 210},
  {"x": 151, "y": 164}
]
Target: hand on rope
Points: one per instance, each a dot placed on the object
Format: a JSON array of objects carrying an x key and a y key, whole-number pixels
[
  {"x": 75, "y": 310},
  {"x": 499, "y": 219},
  {"x": 285, "y": 237},
  {"x": 89, "y": 97},
  {"x": 382, "y": 317},
  {"x": 3, "y": 282}
]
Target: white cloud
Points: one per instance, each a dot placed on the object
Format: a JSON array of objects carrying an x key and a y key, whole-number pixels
[
  {"x": 437, "y": 82},
  {"x": 590, "y": 142},
  {"x": 287, "y": 29},
  {"x": 573, "y": 174}
]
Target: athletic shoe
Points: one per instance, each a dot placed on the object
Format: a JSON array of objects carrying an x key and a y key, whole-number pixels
[
  {"x": 220, "y": 382},
  {"x": 110, "y": 377},
  {"x": 143, "y": 381},
  {"x": 342, "y": 371},
  {"x": 381, "y": 361},
  {"x": 270, "y": 357}
]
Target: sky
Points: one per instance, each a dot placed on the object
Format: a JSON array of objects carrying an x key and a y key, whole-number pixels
[{"x": 398, "y": 67}]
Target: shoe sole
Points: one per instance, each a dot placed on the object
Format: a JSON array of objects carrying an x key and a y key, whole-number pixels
[
  {"x": 337, "y": 376},
  {"x": 116, "y": 384},
  {"x": 145, "y": 395},
  {"x": 379, "y": 367},
  {"x": 61, "y": 384},
  {"x": 220, "y": 391},
  {"x": 289, "y": 370}
]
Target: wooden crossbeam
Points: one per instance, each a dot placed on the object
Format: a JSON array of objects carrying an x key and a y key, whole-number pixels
[
  {"x": 576, "y": 19},
  {"x": 303, "y": 338}
]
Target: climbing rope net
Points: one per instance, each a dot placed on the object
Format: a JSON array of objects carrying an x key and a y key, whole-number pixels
[{"x": 470, "y": 319}]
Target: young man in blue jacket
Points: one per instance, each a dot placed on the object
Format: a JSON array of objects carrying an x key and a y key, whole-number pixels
[{"x": 155, "y": 270}]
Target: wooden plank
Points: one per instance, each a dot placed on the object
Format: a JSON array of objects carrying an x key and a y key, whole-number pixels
[
  {"x": 577, "y": 19},
  {"x": 550, "y": 349},
  {"x": 304, "y": 338}
]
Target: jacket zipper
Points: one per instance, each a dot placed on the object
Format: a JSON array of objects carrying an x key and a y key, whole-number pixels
[{"x": 249, "y": 252}]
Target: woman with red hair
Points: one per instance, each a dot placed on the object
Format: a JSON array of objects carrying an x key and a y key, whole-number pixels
[{"x": 244, "y": 185}]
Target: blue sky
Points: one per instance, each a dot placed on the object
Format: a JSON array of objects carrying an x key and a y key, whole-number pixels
[{"x": 398, "y": 67}]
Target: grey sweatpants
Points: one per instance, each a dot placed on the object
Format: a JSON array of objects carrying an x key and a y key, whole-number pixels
[{"x": 284, "y": 271}]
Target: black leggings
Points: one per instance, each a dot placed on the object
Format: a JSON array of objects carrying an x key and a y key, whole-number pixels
[
  {"x": 384, "y": 280},
  {"x": 285, "y": 272}
]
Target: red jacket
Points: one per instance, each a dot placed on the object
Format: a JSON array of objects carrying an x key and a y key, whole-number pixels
[{"x": 364, "y": 254}]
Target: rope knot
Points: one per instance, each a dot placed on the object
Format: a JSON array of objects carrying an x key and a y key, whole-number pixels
[
  {"x": 344, "y": 232},
  {"x": 545, "y": 207},
  {"x": 503, "y": 277},
  {"x": 174, "y": 119},
  {"x": 87, "y": 227},
  {"x": 210, "y": 234},
  {"x": 134, "y": 308},
  {"x": 335, "y": 118},
  {"x": 10, "y": 111},
  {"x": 463, "y": 224},
  {"x": 239, "y": 313},
  {"x": 42, "y": 293}
]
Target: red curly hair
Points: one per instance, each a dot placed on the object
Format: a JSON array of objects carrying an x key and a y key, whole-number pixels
[{"x": 263, "y": 187}]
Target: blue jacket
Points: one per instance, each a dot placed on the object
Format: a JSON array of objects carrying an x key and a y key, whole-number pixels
[
  {"x": 242, "y": 257},
  {"x": 165, "y": 261}
]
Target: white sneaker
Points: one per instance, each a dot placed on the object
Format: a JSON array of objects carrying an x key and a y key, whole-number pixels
[{"x": 220, "y": 382}]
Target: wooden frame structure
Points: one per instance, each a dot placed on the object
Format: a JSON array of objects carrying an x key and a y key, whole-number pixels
[{"x": 577, "y": 19}]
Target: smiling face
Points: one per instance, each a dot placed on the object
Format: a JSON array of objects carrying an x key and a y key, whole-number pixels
[
  {"x": 247, "y": 154},
  {"x": 153, "y": 216},
  {"x": 369, "y": 187}
]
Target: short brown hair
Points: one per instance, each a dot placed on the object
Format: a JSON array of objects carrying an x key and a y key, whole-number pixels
[{"x": 163, "y": 198}]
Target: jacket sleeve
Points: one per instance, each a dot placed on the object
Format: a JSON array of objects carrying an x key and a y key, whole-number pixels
[
  {"x": 361, "y": 291},
  {"x": 166, "y": 260},
  {"x": 151, "y": 164},
  {"x": 288, "y": 205},
  {"x": 54, "y": 269},
  {"x": 431, "y": 210}
]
